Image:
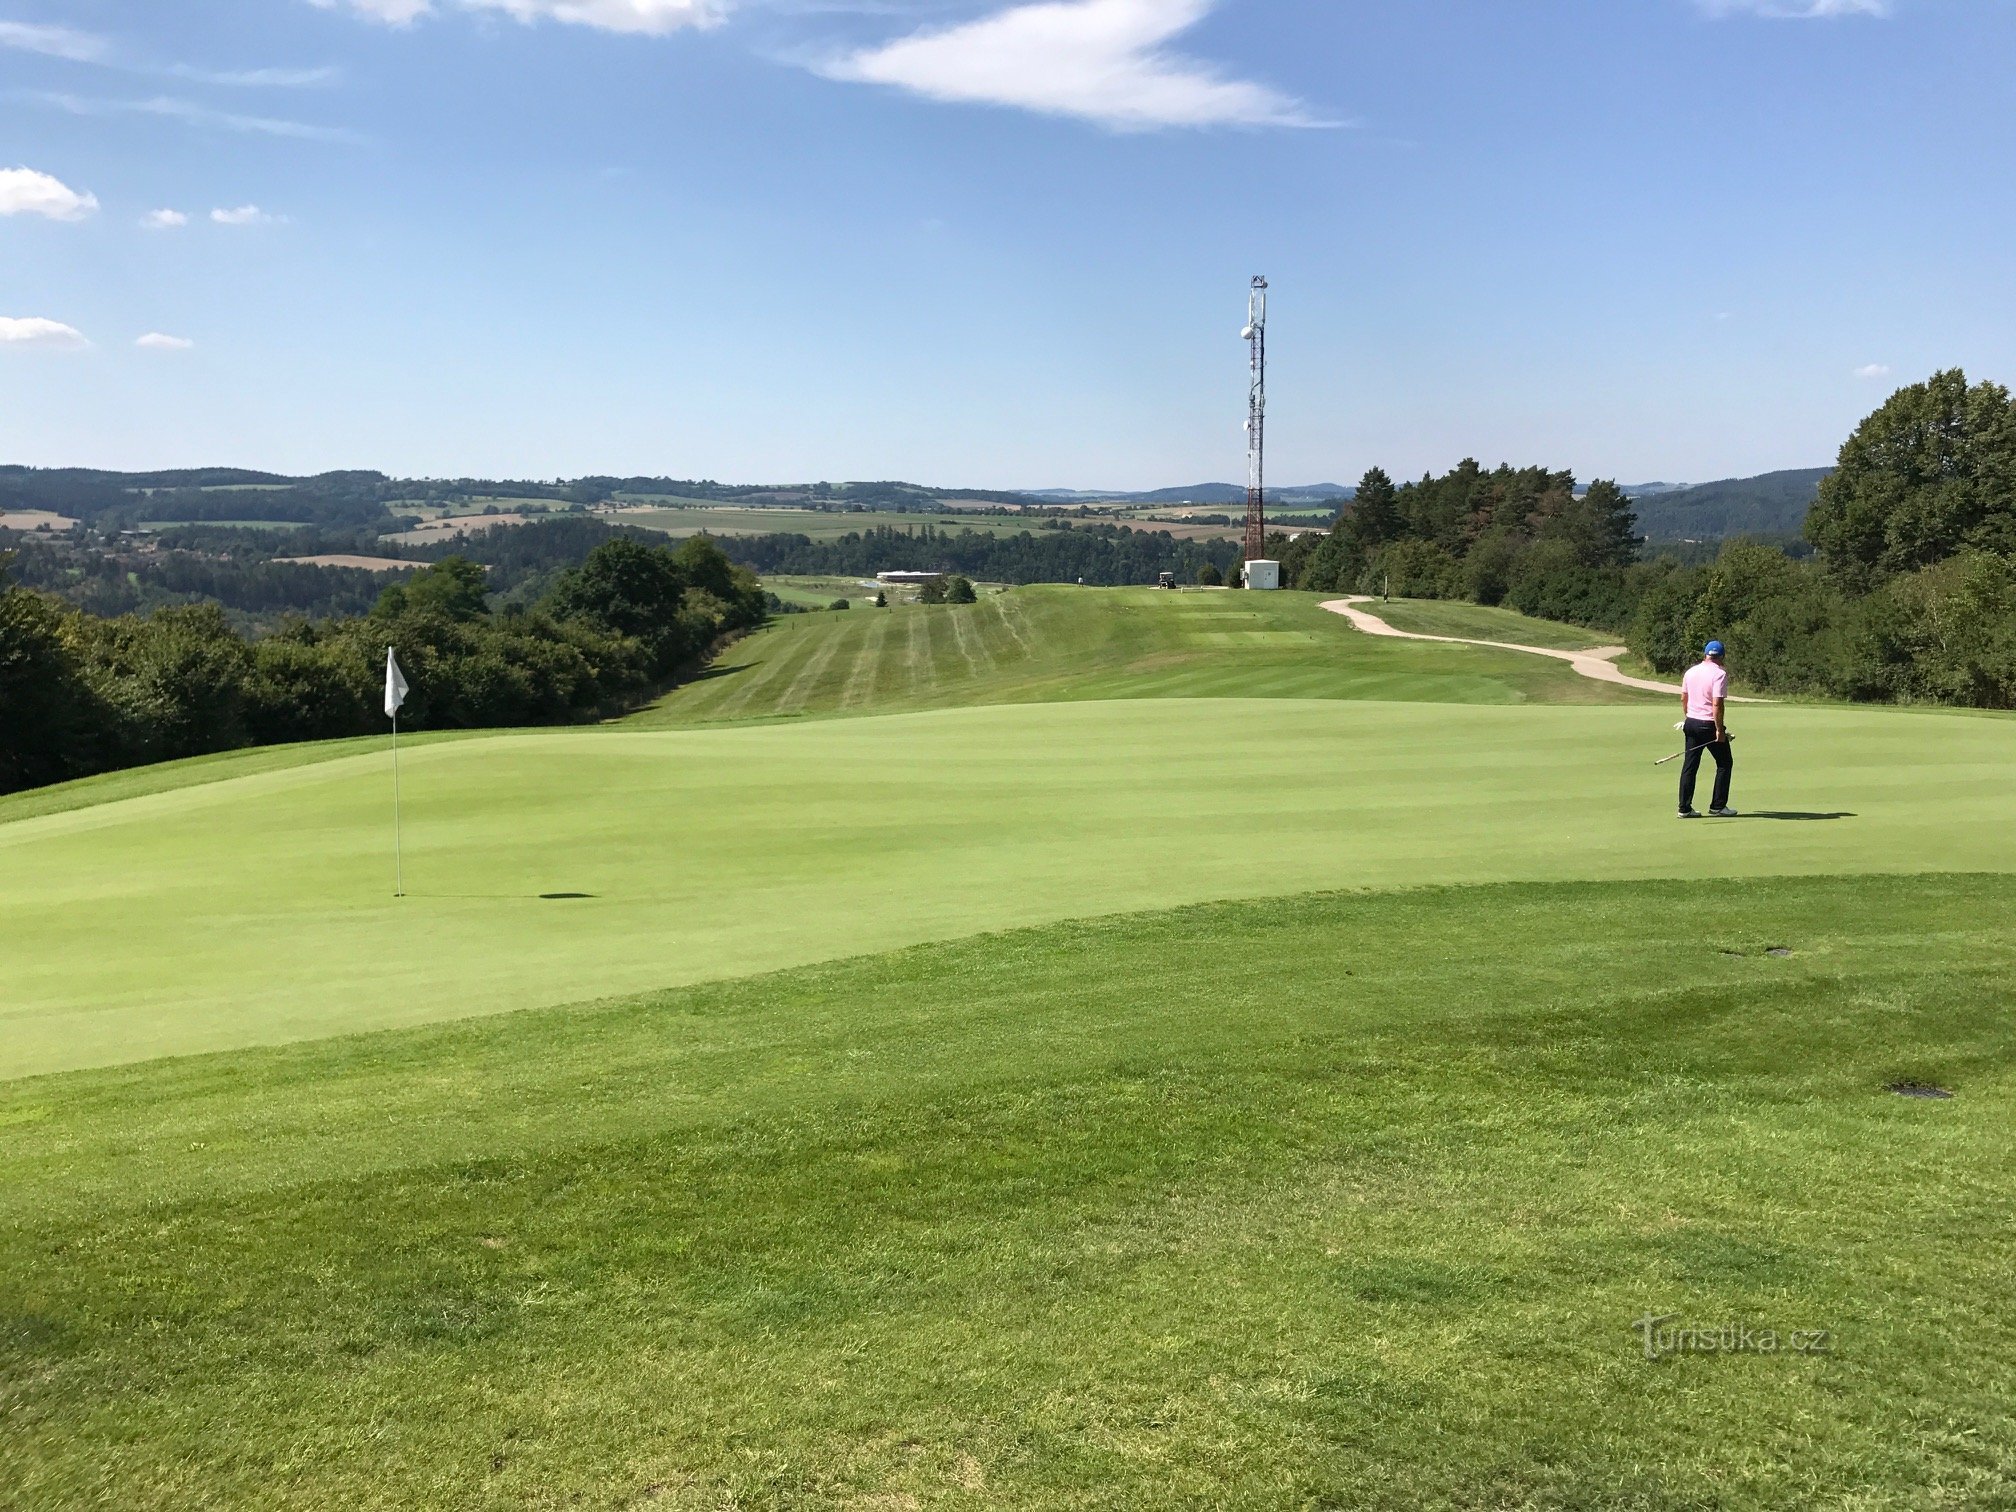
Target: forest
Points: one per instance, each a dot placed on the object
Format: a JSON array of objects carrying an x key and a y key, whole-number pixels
[
  {"x": 1909, "y": 594},
  {"x": 84, "y": 693}
]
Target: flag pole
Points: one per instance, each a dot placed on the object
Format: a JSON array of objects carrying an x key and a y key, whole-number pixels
[
  {"x": 395, "y": 695},
  {"x": 398, "y": 856}
]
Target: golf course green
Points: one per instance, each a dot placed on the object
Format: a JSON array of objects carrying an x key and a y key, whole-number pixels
[
  {"x": 1157, "y": 1050},
  {"x": 606, "y": 861}
]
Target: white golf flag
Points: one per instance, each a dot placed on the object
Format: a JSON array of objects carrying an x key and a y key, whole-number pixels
[{"x": 395, "y": 685}]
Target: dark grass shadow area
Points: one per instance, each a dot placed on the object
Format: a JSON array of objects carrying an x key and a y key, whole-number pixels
[{"x": 1792, "y": 814}]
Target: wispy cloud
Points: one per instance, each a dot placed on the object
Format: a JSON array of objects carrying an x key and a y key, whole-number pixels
[
  {"x": 244, "y": 215},
  {"x": 23, "y": 191},
  {"x": 1096, "y": 60},
  {"x": 195, "y": 114},
  {"x": 1873, "y": 370},
  {"x": 1796, "y": 10},
  {"x": 163, "y": 220},
  {"x": 391, "y": 12},
  {"x": 76, "y": 46},
  {"x": 256, "y": 78},
  {"x": 650, "y": 17},
  {"x": 54, "y": 41},
  {"x": 157, "y": 341},
  {"x": 35, "y": 331}
]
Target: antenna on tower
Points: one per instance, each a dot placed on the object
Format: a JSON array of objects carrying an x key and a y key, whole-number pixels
[{"x": 1256, "y": 423}]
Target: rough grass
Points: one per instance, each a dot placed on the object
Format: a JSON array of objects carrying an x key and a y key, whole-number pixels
[
  {"x": 1061, "y": 643},
  {"x": 196, "y": 771},
  {"x": 1328, "y": 1201},
  {"x": 1476, "y": 622}
]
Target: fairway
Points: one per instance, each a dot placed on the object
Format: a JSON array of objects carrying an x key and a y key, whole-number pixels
[
  {"x": 1049, "y": 643},
  {"x": 258, "y": 910}
]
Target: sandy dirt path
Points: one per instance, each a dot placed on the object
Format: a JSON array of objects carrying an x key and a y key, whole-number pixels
[{"x": 1598, "y": 662}]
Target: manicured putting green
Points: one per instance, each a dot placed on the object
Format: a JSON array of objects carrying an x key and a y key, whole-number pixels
[{"x": 258, "y": 910}]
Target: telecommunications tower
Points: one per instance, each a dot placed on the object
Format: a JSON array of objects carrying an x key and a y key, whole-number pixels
[{"x": 1256, "y": 423}]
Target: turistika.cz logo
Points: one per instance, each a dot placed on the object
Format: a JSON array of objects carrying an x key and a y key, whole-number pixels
[{"x": 1661, "y": 1336}]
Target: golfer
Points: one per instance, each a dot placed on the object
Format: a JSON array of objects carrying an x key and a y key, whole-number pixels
[{"x": 1703, "y": 691}]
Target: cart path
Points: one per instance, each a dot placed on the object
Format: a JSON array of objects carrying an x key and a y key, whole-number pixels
[{"x": 1598, "y": 662}]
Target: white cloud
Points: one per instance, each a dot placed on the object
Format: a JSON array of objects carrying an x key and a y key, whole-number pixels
[
  {"x": 52, "y": 41},
  {"x": 34, "y": 331},
  {"x": 1797, "y": 10},
  {"x": 1098, "y": 60},
  {"x": 155, "y": 341},
  {"x": 163, "y": 220},
  {"x": 1873, "y": 370},
  {"x": 652, "y": 17},
  {"x": 244, "y": 215},
  {"x": 23, "y": 191}
]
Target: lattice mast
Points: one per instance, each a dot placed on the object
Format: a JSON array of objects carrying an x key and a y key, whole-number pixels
[{"x": 1256, "y": 423}]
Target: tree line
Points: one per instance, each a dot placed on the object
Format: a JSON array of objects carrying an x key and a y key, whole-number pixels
[
  {"x": 1908, "y": 593},
  {"x": 84, "y": 693},
  {"x": 1109, "y": 555}
]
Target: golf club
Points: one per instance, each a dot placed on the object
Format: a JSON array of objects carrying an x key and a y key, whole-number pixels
[{"x": 1678, "y": 754}]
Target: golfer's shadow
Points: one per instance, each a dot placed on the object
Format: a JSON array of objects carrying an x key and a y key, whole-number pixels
[{"x": 1790, "y": 814}]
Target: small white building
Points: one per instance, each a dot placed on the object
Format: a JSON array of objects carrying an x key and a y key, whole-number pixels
[
  {"x": 909, "y": 579},
  {"x": 1263, "y": 574}
]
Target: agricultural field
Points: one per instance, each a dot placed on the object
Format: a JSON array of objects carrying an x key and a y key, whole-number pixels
[
  {"x": 1160, "y": 1050},
  {"x": 35, "y": 519},
  {"x": 818, "y": 524}
]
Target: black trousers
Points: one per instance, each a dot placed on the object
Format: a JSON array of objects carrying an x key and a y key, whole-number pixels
[{"x": 1700, "y": 736}]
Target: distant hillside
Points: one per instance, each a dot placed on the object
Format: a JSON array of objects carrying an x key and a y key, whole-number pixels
[
  {"x": 1770, "y": 504},
  {"x": 1195, "y": 493}
]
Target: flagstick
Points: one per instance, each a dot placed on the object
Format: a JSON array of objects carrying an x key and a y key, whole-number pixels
[{"x": 398, "y": 858}]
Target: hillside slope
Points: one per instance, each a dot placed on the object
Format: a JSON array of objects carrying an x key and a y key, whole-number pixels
[
  {"x": 1769, "y": 504},
  {"x": 1045, "y": 644}
]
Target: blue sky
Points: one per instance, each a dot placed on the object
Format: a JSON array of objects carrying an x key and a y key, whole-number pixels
[{"x": 969, "y": 241}]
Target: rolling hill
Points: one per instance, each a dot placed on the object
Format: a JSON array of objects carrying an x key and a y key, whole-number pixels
[
  {"x": 1045, "y": 643},
  {"x": 1769, "y": 504}
]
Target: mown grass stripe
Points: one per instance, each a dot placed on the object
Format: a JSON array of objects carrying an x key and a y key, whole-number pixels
[
  {"x": 869, "y": 652},
  {"x": 830, "y": 639},
  {"x": 978, "y": 662},
  {"x": 786, "y": 653}
]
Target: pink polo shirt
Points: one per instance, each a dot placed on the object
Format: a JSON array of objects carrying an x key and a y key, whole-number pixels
[{"x": 1704, "y": 683}]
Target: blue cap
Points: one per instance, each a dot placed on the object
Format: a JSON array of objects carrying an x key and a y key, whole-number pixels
[{"x": 1714, "y": 648}]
